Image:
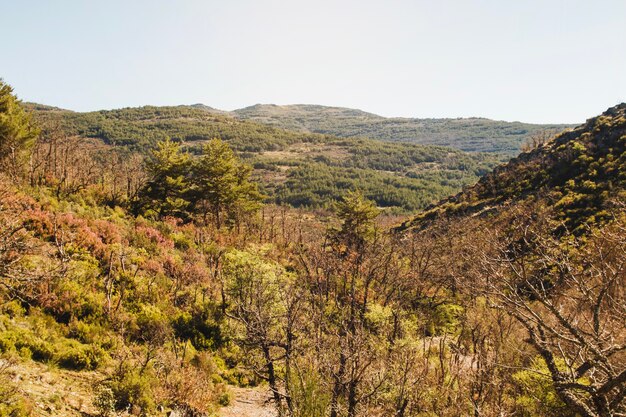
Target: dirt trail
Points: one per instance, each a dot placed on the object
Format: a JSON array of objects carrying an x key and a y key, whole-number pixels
[
  {"x": 53, "y": 392},
  {"x": 249, "y": 402}
]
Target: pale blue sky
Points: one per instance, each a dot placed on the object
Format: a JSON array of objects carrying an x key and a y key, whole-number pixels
[{"x": 528, "y": 60}]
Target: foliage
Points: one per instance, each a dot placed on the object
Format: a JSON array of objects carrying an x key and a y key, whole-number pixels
[
  {"x": 46, "y": 345},
  {"x": 333, "y": 315},
  {"x": 216, "y": 185},
  {"x": 300, "y": 169},
  {"x": 222, "y": 184},
  {"x": 357, "y": 216},
  {"x": 143, "y": 127},
  {"x": 578, "y": 173},
  {"x": 132, "y": 390},
  {"x": 470, "y": 134},
  {"x": 17, "y": 132},
  {"x": 537, "y": 394},
  {"x": 104, "y": 401},
  {"x": 166, "y": 191},
  {"x": 12, "y": 403}
]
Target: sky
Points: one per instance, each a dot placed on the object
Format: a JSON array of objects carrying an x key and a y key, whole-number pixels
[{"x": 541, "y": 61}]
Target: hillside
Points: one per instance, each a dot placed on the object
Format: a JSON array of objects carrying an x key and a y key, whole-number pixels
[
  {"x": 168, "y": 288},
  {"x": 541, "y": 240},
  {"x": 300, "y": 169},
  {"x": 467, "y": 134},
  {"x": 578, "y": 174}
]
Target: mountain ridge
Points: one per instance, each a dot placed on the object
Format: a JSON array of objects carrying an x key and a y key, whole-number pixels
[
  {"x": 576, "y": 173},
  {"x": 300, "y": 169},
  {"x": 469, "y": 134}
]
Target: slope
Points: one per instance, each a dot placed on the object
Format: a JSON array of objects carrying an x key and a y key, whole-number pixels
[
  {"x": 578, "y": 174},
  {"x": 300, "y": 169},
  {"x": 467, "y": 134}
]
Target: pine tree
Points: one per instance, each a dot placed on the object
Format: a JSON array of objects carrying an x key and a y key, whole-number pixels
[
  {"x": 167, "y": 190},
  {"x": 221, "y": 185},
  {"x": 357, "y": 215},
  {"x": 17, "y": 133}
]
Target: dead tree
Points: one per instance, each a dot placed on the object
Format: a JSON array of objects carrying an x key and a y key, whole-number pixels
[{"x": 569, "y": 296}]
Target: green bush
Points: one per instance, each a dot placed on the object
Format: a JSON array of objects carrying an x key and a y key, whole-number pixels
[
  {"x": 309, "y": 397},
  {"x": 78, "y": 356},
  {"x": 76, "y": 301},
  {"x": 104, "y": 401},
  {"x": 444, "y": 318},
  {"x": 47, "y": 347},
  {"x": 7, "y": 343},
  {"x": 15, "y": 407},
  {"x": 13, "y": 309},
  {"x": 132, "y": 390},
  {"x": 152, "y": 325},
  {"x": 41, "y": 350},
  {"x": 27, "y": 344},
  {"x": 12, "y": 403},
  {"x": 225, "y": 398},
  {"x": 200, "y": 328},
  {"x": 91, "y": 333},
  {"x": 536, "y": 395}
]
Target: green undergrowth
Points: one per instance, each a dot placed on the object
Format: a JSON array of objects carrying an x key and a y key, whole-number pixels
[{"x": 129, "y": 298}]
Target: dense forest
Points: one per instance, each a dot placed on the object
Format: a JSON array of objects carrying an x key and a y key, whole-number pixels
[
  {"x": 153, "y": 278},
  {"x": 299, "y": 169},
  {"x": 467, "y": 134}
]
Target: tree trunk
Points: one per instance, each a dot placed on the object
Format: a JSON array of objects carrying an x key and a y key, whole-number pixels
[
  {"x": 337, "y": 386},
  {"x": 352, "y": 401},
  {"x": 271, "y": 379}
]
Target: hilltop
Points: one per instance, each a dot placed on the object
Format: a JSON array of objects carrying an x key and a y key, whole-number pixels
[
  {"x": 467, "y": 134},
  {"x": 474, "y": 134}
]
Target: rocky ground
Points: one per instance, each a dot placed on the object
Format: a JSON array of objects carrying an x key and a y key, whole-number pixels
[
  {"x": 249, "y": 402},
  {"x": 54, "y": 392}
]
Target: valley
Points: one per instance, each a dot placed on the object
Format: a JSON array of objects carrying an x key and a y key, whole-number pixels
[{"x": 173, "y": 261}]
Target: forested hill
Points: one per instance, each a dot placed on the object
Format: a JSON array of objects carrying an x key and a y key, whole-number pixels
[
  {"x": 541, "y": 239},
  {"x": 578, "y": 175},
  {"x": 300, "y": 169},
  {"x": 467, "y": 134},
  {"x": 163, "y": 286}
]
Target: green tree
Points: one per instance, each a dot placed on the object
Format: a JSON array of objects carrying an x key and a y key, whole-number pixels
[
  {"x": 17, "y": 133},
  {"x": 260, "y": 303},
  {"x": 357, "y": 215},
  {"x": 222, "y": 186},
  {"x": 354, "y": 275},
  {"x": 168, "y": 187}
]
